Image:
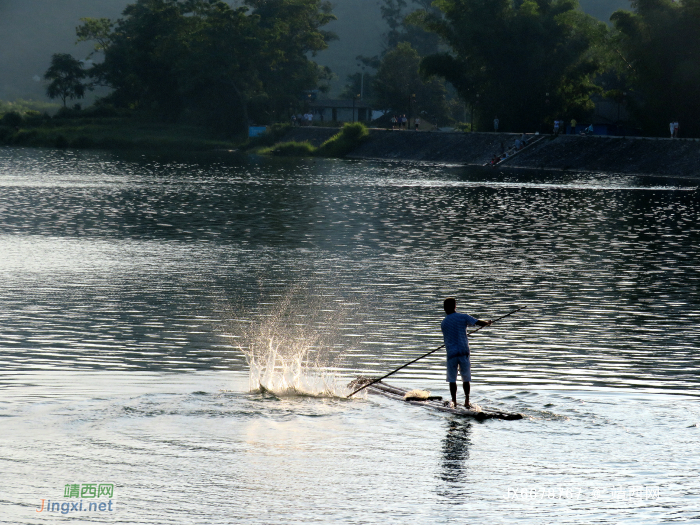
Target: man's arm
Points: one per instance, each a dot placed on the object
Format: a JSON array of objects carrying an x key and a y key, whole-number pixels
[{"x": 484, "y": 323}]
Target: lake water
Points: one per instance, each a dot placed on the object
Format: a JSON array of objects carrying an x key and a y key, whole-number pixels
[{"x": 144, "y": 299}]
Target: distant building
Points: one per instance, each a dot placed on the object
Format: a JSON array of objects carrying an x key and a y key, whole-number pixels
[{"x": 340, "y": 111}]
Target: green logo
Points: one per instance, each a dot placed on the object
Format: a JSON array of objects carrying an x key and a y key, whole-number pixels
[{"x": 88, "y": 490}]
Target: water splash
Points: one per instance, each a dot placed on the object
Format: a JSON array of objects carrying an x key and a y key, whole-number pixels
[
  {"x": 296, "y": 350},
  {"x": 292, "y": 368}
]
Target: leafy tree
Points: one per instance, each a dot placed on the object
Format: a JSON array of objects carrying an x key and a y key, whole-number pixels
[
  {"x": 218, "y": 75},
  {"x": 399, "y": 86},
  {"x": 659, "y": 46},
  {"x": 66, "y": 75},
  {"x": 98, "y": 30},
  {"x": 142, "y": 53},
  {"x": 205, "y": 60},
  {"x": 526, "y": 61},
  {"x": 291, "y": 31}
]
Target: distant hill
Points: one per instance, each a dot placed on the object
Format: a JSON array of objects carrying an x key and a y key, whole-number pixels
[{"x": 32, "y": 30}]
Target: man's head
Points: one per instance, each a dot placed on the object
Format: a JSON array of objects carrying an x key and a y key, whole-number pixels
[{"x": 450, "y": 305}]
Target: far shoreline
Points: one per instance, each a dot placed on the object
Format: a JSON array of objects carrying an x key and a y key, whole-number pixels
[{"x": 658, "y": 157}]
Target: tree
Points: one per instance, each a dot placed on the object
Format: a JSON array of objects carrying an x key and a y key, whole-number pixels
[
  {"x": 66, "y": 74},
  {"x": 527, "y": 61},
  {"x": 98, "y": 30},
  {"x": 206, "y": 61},
  {"x": 218, "y": 76},
  {"x": 399, "y": 86},
  {"x": 659, "y": 46},
  {"x": 291, "y": 30}
]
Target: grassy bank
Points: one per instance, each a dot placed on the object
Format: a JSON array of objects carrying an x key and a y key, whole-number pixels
[
  {"x": 349, "y": 137},
  {"x": 116, "y": 132},
  {"x": 101, "y": 128}
]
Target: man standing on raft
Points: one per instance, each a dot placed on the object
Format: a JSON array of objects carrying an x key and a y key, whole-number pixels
[{"x": 454, "y": 330}]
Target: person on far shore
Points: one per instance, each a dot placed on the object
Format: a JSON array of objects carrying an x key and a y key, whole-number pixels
[
  {"x": 454, "y": 331},
  {"x": 573, "y": 126},
  {"x": 676, "y": 127},
  {"x": 417, "y": 122},
  {"x": 496, "y": 122},
  {"x": 556, "y": 127}
]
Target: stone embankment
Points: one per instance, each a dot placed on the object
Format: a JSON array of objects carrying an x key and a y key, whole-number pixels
[
  {"x": 637, "y": 155},
  {"x": 632, "y": 155},
  {"x": 433, "y": 146}
]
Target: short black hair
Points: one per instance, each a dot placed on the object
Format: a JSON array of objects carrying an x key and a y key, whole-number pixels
[{"x": 450, "y": 305}]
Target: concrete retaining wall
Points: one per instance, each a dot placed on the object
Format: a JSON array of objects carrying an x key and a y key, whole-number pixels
[
  {"x": 433, "y": 146},
  {"x": 676, "y": 158}
]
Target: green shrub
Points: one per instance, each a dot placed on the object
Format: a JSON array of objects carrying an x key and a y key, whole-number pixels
[
  {"x": 24, "y": 137},
  {"x": 349, "y": 138},
  {"x": 12, "y": 119},
  {"x": 82, "y": 142},
  {"x": 69, "y": 113},
  {"x": 5, "y": 133},
  {"x": 279, "y": 129},
  {"x": 463, "y": 126},
  {"x": 61, "y": 142},
  {"x": 290, "y": 149},
  {"x": 105, "y": 111}
]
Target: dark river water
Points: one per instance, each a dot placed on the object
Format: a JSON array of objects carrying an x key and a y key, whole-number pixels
[{"x": 145, "y": 300}]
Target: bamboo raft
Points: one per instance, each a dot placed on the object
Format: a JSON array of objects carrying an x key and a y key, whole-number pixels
[{"x": 431, "y": 402}]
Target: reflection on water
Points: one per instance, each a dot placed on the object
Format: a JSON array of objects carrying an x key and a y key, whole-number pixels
[{"x": 455, "y": 453}]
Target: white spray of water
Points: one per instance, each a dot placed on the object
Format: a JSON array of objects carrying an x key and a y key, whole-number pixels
[
  {"x": 290, "y": 349},
  {"x": 292, "y": 368}
]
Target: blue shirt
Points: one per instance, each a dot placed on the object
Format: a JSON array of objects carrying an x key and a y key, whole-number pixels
[{"x": 454, "y": 330}]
